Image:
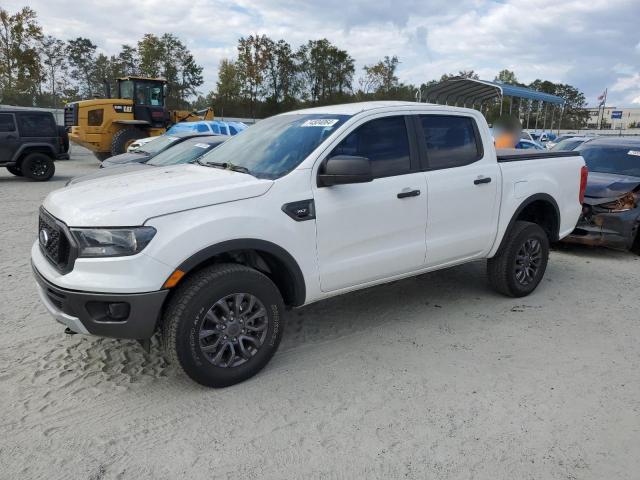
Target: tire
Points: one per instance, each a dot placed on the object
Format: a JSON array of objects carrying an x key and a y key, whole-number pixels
[
  {"x": 102, "y": 156},
  {"x": 38, "y": 167},
  {"x": 510, "y": 276},
  {"x": 196, "y": 331},
  {"x": 123, "y": 138},
  {"x": 15, "y": 170}
]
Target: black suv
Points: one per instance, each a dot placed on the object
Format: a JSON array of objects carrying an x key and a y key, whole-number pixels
[{"x": 30, "y": 141}]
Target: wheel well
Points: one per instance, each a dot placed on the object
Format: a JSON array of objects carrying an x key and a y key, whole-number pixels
[
  {"x": 543, "y": 213},
  {"x": 29, "y": 150},
  {"x": 279, "y": 271}
]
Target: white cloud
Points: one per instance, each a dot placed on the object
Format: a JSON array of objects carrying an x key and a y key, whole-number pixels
[{"x": 591, "y": 44}]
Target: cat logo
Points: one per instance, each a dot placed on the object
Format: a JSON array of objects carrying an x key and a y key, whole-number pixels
[{"x": 123, "y": 108}]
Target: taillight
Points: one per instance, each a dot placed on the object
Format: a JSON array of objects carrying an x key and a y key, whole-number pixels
[{"x": 584, "y": 174}]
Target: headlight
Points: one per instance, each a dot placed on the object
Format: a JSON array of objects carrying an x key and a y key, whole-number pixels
[
  {"x": 624, "y": 203},
  {"x": 112, "y": 242}
]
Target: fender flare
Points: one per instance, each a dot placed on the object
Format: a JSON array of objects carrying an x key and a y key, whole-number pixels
[
  {"x": 298, "y": 286},
  {"x": 525, "y": 203},
  {"x": 39, "y": 146}
]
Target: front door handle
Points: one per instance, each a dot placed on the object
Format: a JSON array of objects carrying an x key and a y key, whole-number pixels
[
  {"x": 409, "y": 193},
  {"x": 479, "y": 181}
]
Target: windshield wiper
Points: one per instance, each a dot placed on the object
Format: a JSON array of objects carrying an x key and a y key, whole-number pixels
[{"x": 226, "y": 166}]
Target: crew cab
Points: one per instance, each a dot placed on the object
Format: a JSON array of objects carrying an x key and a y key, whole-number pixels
[
  {"x": 30, "y": 142},
  {"x": 301, "y": 207}
]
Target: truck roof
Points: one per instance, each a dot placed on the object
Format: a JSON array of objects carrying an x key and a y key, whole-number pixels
[{"x": 353, "y": 108}]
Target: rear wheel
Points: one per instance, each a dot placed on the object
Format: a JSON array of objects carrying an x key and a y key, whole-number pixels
[
  {"x": 15, "y": 170},
  {"x": 223, "y": 324},
  {"x": 38, "y": 166},
  {"x": 125, "y": 137},
  {"x": 518, "y": 267}
]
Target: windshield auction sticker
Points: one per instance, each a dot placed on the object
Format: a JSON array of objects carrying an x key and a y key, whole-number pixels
[
  {"x": 634, "y": 152},
  {"x": 320, "y": 122},
  {"x": 201, "y": 145}
]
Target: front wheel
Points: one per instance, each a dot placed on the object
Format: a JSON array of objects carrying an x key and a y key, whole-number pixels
[
  {"x": 518, "y": 267},
  {"x": 223, "y": 324}
]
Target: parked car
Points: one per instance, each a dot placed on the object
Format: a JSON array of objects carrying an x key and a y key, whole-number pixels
[
  {"x": 30, "y": 143},
  {"x": 570, "y": 143},
  {"x": 611, "y": 212},
  {"x": 150, "y": 149},
  {"x": 187, "y": 151},
  {"x": 209, "y": 126},
  {"x": 300, "y": 207},
  {"x": 551, "y": 143},
  {"x": 525, "y": 144},
  {"x": 541, "y": 137}
]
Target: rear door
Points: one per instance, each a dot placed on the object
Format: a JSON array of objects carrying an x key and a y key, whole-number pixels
[
  {"x": 462, "y": 184},
  {"x": 369, "y": 231},
  {"x": 8, "y": 137}
]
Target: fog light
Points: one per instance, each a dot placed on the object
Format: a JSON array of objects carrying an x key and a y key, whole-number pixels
[{"x": 118, "y": 311}]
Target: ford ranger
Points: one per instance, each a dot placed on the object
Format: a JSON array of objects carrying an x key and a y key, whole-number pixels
[{"x": 301, "y": 207}]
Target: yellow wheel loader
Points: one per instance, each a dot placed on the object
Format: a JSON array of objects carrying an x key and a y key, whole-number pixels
[{"x": 107, "y": 126}]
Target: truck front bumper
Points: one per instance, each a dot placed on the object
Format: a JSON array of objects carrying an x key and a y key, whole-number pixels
[{"x": 117, "y": 315}]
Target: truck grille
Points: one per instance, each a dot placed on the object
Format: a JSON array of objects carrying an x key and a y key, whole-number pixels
[
  {"x": 54, "y": 241},
  {"x": 71, "y": 115}
]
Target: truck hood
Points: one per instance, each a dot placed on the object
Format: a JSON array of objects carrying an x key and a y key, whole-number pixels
[
  {"x": 131, "y": 198},
  {"x": 610, "y": 185}
]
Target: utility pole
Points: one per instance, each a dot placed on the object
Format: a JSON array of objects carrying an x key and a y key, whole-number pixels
[{"x": 604, "y": 105}]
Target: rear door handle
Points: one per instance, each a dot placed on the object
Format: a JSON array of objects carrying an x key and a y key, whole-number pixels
[
  {"x": 409, "y": 193},
  {"x": 478, "y": 181}
]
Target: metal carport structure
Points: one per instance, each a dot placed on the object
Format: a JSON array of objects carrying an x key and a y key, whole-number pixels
[{"x": 469, "y": 92}]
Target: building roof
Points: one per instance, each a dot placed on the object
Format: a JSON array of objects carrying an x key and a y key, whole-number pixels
[{"x": 470, "y": 90}]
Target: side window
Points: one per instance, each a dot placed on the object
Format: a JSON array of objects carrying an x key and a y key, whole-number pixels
[
  {"x": 6, "y": 123},
  {"x": 384, "y": 141},
  {"x": 451, "y": 141},
  {"x": 232, "y": 130},
  {"x": 37, "y": 125},
  {"x": 202, "y": 127}
]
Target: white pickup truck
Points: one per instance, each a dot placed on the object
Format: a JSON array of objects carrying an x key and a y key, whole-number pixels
[{"x": 300, "y": 207}]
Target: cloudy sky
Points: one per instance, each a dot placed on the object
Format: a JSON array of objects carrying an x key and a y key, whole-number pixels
[{"x": 591, "y": 44}]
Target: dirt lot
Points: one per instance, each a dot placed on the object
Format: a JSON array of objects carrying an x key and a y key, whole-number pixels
[{"x": 435, "y": 377}]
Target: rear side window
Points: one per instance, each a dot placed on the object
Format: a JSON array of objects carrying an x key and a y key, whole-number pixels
[
  {"x": 451, "y": 141},
  {"x": 6, "y": 123},
  {"x": 384, "y": 141},
  {"x": 37, "y": 125}
]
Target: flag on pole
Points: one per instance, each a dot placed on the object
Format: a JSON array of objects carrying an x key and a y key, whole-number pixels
[{"x": 602, "y": 98}]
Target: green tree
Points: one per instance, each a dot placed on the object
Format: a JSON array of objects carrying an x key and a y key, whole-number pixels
[
  {"x": 20, "y": 67},
  {"x": 380, "y": 78},
  {"x": 251, "y": 67},
  {"x": 81, "y": 55},
  {"x": 169, "y": 58},
  {"x": 280, "y": 73},
  {"x": 507, "y": 77},
  {"x": 54, "y": 60},
  {"x": 326, "y": 72}
]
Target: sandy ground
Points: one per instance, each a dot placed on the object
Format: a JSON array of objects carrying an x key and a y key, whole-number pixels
[{"x": 434, "y": 377}]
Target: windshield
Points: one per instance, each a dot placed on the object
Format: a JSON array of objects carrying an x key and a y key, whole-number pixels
[
  {"x": 183, "y": 152},
  {"x": 619, "y": 159},
  {"x": 567, "y": 144},
  {"x": 273, "y": 147},
  {"x": 157, "y": 145}
]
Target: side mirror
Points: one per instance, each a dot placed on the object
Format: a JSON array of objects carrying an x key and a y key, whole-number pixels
[{"x": 344, "y": 169}]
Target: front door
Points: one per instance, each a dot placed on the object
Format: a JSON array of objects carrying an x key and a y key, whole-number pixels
[{"x": 369, "y": 231}]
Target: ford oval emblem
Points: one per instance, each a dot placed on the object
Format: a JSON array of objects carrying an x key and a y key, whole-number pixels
[{"x": 44, "y": 237}]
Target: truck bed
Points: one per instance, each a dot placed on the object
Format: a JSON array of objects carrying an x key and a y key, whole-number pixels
[{"x": 516, "y": 155}]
